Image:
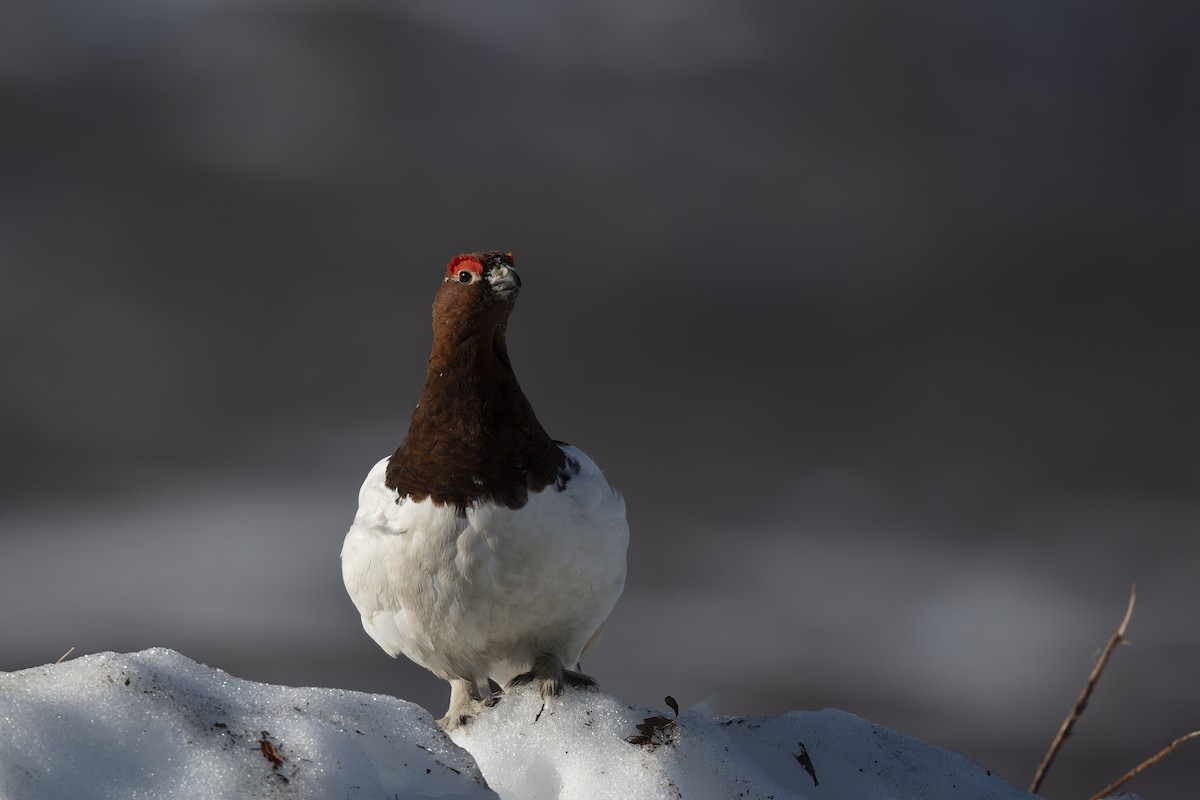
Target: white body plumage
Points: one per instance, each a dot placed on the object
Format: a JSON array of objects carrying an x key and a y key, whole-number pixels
[{"x": 484, "y": 594}]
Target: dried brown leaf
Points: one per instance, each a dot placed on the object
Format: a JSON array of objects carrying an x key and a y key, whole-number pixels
[
  {"x": 805, "y": 761},
  {"x": 269, "y": 751}
]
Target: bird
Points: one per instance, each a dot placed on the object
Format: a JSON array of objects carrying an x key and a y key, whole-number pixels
[{"x": 482, "y": 549}]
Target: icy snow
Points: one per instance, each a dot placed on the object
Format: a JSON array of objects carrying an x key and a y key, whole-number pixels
[
  {"x": 158, "y": 725},
  {"x": 578, "y": 749}
]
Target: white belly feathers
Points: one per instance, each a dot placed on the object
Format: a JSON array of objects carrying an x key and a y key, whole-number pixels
[{"x": 482, "y": 595}]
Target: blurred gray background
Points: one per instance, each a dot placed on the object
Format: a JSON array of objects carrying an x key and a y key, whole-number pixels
[{"x": 883, "y": 317}]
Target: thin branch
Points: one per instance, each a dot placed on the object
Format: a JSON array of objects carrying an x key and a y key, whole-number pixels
[
  {"x": 1154, "y": 759},
  {"x": 1081, "y": 703},
  {"x": 64, "y": 655}
]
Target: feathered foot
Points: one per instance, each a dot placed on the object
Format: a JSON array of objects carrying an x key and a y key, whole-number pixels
[
  {"x": 550, "y": 676},
  {"x": 466, "y": 701}
]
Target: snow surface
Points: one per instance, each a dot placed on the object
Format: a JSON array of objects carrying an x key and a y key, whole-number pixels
[{"x": 158, "y": 725}]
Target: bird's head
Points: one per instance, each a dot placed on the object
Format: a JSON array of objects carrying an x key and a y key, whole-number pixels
[
  {"x": 477, "y": 294},
  {"x": 489, "y": 275}
]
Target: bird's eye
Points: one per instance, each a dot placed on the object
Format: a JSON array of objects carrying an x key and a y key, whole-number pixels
[{"x": 465, "y": 276}]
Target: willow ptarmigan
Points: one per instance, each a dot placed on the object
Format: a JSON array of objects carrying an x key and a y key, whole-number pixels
[{"x": 484, "y": 550}]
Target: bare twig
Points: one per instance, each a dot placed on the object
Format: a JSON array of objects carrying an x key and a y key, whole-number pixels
[
  {"x": 1117, "y": 784},
  {"x": 63, "y": 657},
  {"x": 1080, "y": 704}
]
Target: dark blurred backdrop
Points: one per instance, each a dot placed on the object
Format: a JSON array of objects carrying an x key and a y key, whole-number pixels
[{"x": 883, "y": 317}]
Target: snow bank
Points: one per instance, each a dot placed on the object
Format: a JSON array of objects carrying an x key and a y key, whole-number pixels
[
  {"x": 157, "y": 725},
  {"x": 579, "y": 749}
]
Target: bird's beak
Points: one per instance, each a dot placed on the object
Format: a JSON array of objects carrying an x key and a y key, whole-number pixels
[{"x": 504, "y": 280}]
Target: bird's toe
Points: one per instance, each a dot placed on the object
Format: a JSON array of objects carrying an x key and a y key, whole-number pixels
[
  {"x": 578, "y": 680},
  {"x": 454, "y": 721},
  {"x": 524, "y": 679}
]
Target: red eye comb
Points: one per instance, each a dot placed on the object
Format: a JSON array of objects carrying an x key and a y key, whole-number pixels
[{"x": 464, "y": 261}]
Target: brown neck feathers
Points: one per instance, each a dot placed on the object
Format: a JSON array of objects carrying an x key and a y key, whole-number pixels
[{"x": 474, "y": 436}]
